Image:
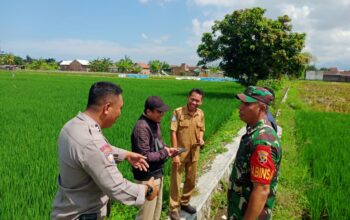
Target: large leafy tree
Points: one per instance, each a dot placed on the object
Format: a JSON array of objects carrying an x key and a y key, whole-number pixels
[
  {"x": 101, "y": 65},
  {"x": 18, "y": 60},
  {"x": 251, "y": 47},
  {"x": 156, "y": 66}
]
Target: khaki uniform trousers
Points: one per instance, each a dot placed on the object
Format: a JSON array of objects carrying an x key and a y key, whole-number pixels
[
  {"x": 175, "y": 183},
  {"x": 151, "y": 210}
]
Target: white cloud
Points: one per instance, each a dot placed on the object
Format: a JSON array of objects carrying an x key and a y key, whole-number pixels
[
  {"x": 324, "y": 21},
  {"x": 223, "y": 3},
  {"x": 341, "y": 36},
  {"x": 345, "y": 2},
  {"x": 296, "y": 13},
  {"x": 158, "y": 40},
  {"x": 160, "y": 2},
  {"x": 144, "y": 36},
  {"x": 199, "y": 28},
  {"x": 161, "y": 39},
  {"x": 91, "y": 49}
]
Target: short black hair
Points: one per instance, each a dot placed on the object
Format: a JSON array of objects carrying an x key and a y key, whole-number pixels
[
  {"x": 99, "y": 92},
  {"x": 196, "y": 90}
]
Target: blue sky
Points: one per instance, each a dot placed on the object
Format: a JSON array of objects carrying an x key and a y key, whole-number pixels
[{"x": 168, "y": 30}]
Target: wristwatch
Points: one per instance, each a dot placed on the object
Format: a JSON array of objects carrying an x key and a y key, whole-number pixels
[{"x": 149, "y": 190}]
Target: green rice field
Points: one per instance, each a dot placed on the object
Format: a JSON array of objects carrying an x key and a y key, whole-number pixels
[
  {"x": 323, "y": 137},
  {"x": 324, "y": 140},
  {"x": 35, "y": 106}
]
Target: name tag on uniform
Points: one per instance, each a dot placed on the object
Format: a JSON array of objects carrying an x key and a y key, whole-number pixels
[{"x": 173, "y": 119}]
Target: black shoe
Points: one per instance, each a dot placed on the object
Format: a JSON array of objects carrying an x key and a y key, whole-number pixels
[
  {"x": 174, "y": 215},
  {"x": 188, "y": 208}
]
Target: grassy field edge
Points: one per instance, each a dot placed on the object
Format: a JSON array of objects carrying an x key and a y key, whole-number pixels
[{"x": 291, "y": 200}]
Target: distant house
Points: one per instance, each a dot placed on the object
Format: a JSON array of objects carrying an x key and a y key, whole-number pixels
[
  {"x": 331, "y": 75},
  {"x": 186, "y": 70},
  {"x": 314, "y": 75},
  {"x": 339, "y": 76},
  {"x": 75, "y": 65},
  {"x": 113, "y": 69},
  {"x": 11, "y": 67},
  {"x": 145, "y": 69}
]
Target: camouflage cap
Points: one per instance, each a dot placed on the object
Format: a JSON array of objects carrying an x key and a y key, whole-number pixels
[{"x": 256, "y": 94}]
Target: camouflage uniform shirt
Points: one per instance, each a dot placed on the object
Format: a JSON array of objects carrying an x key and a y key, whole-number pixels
[{"x": 258, "y": 160}]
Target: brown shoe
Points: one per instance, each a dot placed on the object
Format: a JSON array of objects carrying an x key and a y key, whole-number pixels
[
  {"x": 189, "y": 209},
  {"x": 174, "y": 215}
]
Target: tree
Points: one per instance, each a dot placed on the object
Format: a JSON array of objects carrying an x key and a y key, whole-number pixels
[
  {"x": 28, "y": 59},
  {"x": 125, "y": 65},
  {"x": 136, "y": 69},
  {"x": 251, "y": 47},
  {"x": 100, "y": 65},
  {"x": 156, "y": 66},
  {"x": 7, "y": 59},
  {"x": 311, "y": 68},
  {"x": 214, "y": 69},
  {"x": 18, "y": 60},
  {"x": 42, "y": 64}
]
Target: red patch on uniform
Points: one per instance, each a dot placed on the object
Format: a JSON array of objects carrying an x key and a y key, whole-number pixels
[
  {"x": 107, "y": 151},
  {"x": 262, "y": 167},
  {"x": 106, "y": 148}
]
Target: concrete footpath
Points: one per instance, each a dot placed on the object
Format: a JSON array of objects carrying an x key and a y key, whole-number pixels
[{"x": 208, "y": 182}]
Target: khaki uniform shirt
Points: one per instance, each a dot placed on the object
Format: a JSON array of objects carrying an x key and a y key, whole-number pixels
[
  {"x": 88, "y": 174},
  {"x": 187, "y": 129}
]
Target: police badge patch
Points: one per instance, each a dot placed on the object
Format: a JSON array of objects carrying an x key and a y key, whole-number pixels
[{"x": 107, "y": 151}]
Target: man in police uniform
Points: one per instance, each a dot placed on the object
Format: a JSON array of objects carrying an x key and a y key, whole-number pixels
[
  {"x": 254, "y": 177},
  {"x": 88, "y": 175},
  {"x": 187, "y": 130}
]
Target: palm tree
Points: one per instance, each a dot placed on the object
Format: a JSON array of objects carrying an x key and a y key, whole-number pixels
[
  {"x": 157, "y": 66},
  {"x": 125, "y": 65},
  {"x": 8, "y": 59}
]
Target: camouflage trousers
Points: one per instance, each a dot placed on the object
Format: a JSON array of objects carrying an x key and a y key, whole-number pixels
[{"x": 237, "y": 206}]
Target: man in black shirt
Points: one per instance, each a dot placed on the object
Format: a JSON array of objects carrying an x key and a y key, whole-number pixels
[{"x": 147, "y": 140}]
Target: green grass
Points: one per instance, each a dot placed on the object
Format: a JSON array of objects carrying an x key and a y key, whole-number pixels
[
  {"x": 314, "y": 175},
  {"x": 35, "y": 106},
  {"x": 291, "y": 200},
  {"x": 324, "y": 147}
]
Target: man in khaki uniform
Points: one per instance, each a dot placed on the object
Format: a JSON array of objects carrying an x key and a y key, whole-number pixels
[
  {"x": 187, "y": 130},
  {"x": 88, "y": 175}
]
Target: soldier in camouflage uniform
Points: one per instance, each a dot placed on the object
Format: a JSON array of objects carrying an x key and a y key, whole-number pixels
[{"x": 254, "y": 177}]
